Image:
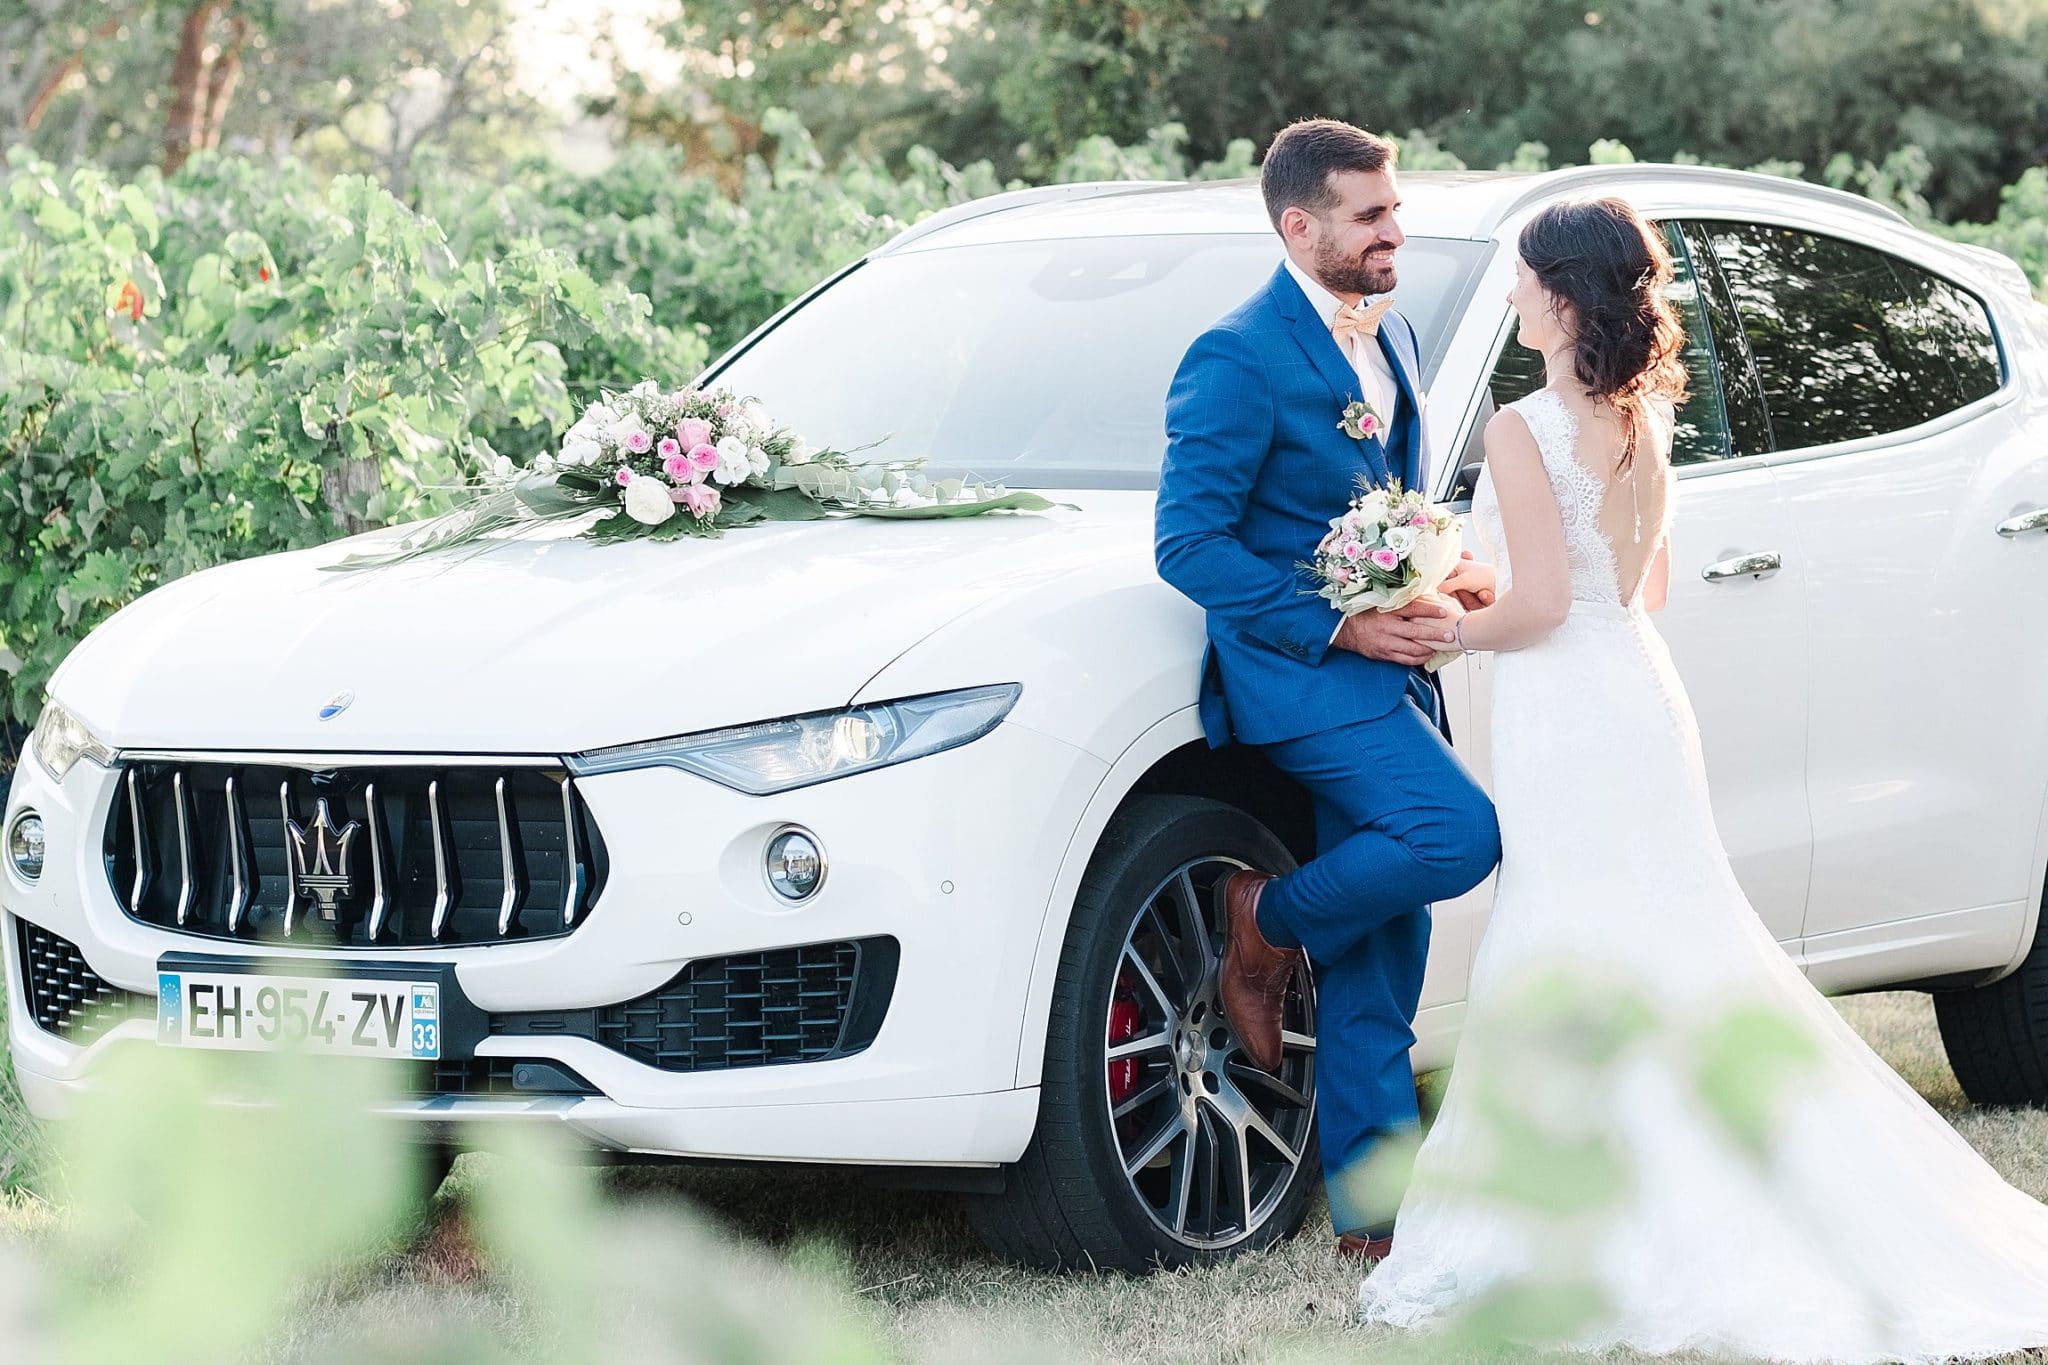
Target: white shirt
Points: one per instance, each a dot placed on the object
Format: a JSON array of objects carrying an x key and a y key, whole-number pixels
[{"x": 1377, "y": 384}]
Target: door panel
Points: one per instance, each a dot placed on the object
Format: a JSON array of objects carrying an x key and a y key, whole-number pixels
[
  {"x": 1921, "y": 625},
  {"x": 1740, "y": 646}
]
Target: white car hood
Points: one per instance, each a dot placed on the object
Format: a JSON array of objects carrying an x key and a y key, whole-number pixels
[{"x": 549, "y": 644}]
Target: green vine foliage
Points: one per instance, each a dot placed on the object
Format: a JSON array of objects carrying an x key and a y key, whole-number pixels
[
  {"x": 247, "y": 358},
  {"x": 242, "y": 360}
]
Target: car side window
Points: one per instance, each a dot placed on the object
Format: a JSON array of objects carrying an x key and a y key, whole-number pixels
[
  {"x": 1702, "y": 431},
  {"x": 1742, "y": 398},
  {"x": 1848, "y": 341}
]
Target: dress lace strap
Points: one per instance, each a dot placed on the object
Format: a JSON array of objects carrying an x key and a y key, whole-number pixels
[{"x": 1579, "y": 492}]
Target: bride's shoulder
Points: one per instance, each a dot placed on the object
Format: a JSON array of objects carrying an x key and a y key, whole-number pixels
[
  {"x": 1520, "y": 425},
  {"x": 1510, "y": 433}
]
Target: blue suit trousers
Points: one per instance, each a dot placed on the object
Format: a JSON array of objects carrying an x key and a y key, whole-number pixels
[{"x": 1399, "y": 824}]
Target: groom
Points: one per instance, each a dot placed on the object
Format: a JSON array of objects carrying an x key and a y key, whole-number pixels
[{"x": 1256, "y": 466}]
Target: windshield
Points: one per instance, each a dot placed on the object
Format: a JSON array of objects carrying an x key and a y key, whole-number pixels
[{"x": 1038, "y": 364}]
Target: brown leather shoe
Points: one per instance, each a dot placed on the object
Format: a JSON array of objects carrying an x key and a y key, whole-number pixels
[
  {"x": 1253, "y": 982},
  {"x": 1370, "y": 1250}
]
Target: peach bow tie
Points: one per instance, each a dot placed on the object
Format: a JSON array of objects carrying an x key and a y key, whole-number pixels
[{"x": 1362, "y": 321}]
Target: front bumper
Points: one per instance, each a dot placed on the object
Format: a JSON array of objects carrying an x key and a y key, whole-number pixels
[{"x": 953, "y": 856}]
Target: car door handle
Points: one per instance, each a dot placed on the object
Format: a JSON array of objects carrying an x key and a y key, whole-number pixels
[
  {"x": 1760, "y": 565},
  {"x": 2036, "y": 520}
]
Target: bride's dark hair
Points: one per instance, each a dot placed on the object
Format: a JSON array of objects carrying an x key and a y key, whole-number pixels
[{"x": 1599, "y": 256}]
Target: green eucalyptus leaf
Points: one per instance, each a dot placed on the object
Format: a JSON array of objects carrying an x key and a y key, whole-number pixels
[
  {"x": 775, "y": 504},
  {"x": 1018, "y": 501}
]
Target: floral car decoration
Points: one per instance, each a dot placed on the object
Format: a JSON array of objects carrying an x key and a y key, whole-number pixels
[{"x": 664, "y": 464}]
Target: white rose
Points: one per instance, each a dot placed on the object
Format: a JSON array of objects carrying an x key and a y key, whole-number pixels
[
  {"x": 1399, "y": 539},
  {"x": 647, "y": 501},
  {"x": 733, "y": 465},
  {"x": 503, "y": 468},
  {"x": 597, "y": 417},
  {"x": 578, "y": 451},
  {"x": 1374, "y": 507},
  {"x": 627, "y": 426},
  {"x": 543, "y": 463},
  {"x": 755, "y": 416},
  {"x": 800, "y": 453}
]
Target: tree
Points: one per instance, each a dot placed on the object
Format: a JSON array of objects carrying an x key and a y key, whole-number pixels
[
  {"x": 1731, "y": 81},
  {"x": 49, "y": 47},
  {"x": 355, "y": 85},
  {"x": 203, "y": 77},
  {"x": 863, "y": 73}
]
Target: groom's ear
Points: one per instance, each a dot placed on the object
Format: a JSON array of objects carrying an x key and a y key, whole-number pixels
[{"x": 1297, "y": 226}]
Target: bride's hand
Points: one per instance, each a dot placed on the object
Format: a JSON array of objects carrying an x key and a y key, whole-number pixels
[{"x": 1472, "y": 583}]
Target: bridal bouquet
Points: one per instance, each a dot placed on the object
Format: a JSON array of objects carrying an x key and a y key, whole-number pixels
[
  {"x": 1388, "y": 548},
  {"x": 663, "y": 464}
]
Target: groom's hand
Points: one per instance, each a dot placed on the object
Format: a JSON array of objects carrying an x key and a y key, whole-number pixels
[
  {"x": 1409, "y": 636},
  {"x": 1471, "y": 583}
]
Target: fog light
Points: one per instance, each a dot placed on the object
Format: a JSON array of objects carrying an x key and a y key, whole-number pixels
[
  {"x": 25, "y": 845},
  {"x": 796, "y": 865}
]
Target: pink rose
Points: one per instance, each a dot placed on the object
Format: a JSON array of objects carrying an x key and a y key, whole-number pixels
[
  {"x": 1368, "y": 424},
  {"x": 623, "y": 477},
  {"x": 1418, "y": 520},
  {"x": 668, "y": 447},
  {"x": 639, "y": 442},
  {"x": 1341, "y": 575},
  {"x": 701, "y": 499},
  {"x": 1385, "y": 559},
  {"x": 693, "y": 431},
  {"x": 676, "y": 465},
  {"x": 1352, "y": 549},
  {"x": 703, "y": 457}
]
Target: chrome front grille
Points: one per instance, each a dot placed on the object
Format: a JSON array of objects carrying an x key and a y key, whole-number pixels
[{"x": 354, "y": 857}]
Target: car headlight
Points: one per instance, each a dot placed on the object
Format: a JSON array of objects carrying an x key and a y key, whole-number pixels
[
  {"x": 782, "y": 755},
  {"x": 62, "y": 739}
]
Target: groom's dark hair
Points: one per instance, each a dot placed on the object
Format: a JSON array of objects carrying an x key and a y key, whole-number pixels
[{"x": 1303, "y": 157}]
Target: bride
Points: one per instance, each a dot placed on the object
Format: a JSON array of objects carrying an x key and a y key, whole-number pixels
[{"x": 1655, "y": 1121}]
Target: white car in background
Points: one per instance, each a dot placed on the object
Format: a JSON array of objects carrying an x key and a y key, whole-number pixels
[{"x": 890, "y": 844}]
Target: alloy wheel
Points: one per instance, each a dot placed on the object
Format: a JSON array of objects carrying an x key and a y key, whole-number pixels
[{"x": 1209, "y": 1143}]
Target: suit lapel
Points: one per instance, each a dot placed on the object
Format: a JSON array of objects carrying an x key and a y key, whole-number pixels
[
  {"x": 1312, "y": 334},
  {"x": 1410, "y": 475}
]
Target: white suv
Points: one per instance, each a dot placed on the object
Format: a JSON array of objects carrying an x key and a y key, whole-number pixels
[{"x": 891, "y": 844}]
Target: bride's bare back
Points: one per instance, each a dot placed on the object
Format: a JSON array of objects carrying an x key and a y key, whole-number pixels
[{"x": 1633, "y": 505}]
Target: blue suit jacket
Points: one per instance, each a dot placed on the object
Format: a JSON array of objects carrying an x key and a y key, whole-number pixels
[{"x": 1256, "y": 466}]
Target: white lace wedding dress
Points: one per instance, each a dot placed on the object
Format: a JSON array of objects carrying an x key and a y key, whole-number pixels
[{"x": 1860, "y": 1228}]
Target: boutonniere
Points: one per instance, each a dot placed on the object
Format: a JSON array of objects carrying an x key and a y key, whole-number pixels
[{"x": 1360, "y": 421}]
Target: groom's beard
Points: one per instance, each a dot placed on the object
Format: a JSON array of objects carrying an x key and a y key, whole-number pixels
[{"x": 1372, "y": 273}]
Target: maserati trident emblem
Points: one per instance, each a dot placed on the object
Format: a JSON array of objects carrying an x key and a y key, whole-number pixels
[
  {"x": 337, "y": 704},
  {"x": 320, "y": 860}
]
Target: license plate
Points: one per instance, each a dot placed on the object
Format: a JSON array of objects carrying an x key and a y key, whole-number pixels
[{"x": 260, "y": 1012}]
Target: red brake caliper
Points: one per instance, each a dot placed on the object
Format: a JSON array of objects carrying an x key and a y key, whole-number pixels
[{"x": 1123, "y": 1026}]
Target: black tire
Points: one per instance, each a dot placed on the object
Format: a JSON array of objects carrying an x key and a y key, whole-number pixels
[
  {"x": 1129, "y": 970},
  {"x": 1997, "y": 1035}
]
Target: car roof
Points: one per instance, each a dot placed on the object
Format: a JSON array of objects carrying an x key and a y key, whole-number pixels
[{"x": 1469, "y": 204}]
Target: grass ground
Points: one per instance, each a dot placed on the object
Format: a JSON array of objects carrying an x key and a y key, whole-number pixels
[{"x": 922, "y": 1281}]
